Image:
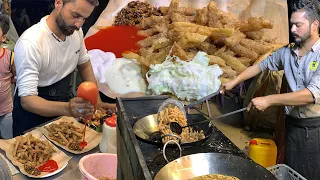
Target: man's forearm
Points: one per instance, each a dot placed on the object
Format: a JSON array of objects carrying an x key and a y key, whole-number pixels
[
  {"x": 42, "y": 107},
  {"x": 248, "y": 73},
  {"x": 298, "y": 98},
  {"x": 86, "y": 73}
]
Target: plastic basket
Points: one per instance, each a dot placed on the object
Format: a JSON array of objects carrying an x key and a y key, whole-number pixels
[{"x": 284, "y": 172}]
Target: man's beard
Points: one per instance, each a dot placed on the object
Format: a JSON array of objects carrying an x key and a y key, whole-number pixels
[
  {"x": 63, "y": 27},
  {"x": 302, "y": 39}
]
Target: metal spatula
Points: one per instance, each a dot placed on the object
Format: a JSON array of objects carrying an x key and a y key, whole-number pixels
[{"x": 175, "y": 127}]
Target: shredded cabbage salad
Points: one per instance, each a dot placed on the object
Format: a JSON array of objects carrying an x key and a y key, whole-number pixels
[{"x": 186, "y": 80}]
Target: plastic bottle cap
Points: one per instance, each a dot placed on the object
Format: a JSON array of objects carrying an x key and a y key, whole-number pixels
[
  {"x": 111, "y": 121},
  {"x": 254, "y": 142}
]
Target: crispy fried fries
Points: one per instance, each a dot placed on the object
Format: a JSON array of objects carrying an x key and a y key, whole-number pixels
[
  {"x": 130, "y": 55},
  {"x": 233, "y": 43},
  {"x": 216, "y": 60},
  {"x": 274, "y": 48},
  {"x": 233, "y": 62},
  {"x": 32, "y": 152},
  {"x": 66, "y": 134},
  {"x": 178, "y": 51},
  {"x": 254, "y": 24},
  {"x": 173, "y": 114}
]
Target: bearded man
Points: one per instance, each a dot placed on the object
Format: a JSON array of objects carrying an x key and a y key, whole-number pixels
[
  {"x": 46, "y": 54},
  {"x": 300, "y": 62}
]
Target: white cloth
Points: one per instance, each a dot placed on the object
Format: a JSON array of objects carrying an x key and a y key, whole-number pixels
[
  {"x": 42, "y": 59},
  {"x": 100, "y": 62}
]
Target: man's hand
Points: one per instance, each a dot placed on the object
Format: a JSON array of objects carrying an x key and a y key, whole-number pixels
[
  {"x": 227, "y": 86},
  {"x": 106, "y": 107},
  {"x": 79, "y": 107},
  {"x": 259, "y": 103}
]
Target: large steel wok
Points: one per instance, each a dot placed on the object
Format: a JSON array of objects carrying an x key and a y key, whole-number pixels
[
  {"x": 147, "y": 129},
  {"x": 213, "y": 163}
]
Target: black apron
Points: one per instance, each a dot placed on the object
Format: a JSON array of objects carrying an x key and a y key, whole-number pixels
[
  {"x": 303, "y": 146},
  {"x": 24, "y": 120}
]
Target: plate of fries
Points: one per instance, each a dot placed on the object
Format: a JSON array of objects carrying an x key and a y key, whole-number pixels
[
  {"x": 30, "y": 151},
  {"x": 67, "y": 133}
]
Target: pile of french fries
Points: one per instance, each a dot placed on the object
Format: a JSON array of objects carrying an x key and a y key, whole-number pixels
[
  {"x": 32, "y": 152},
  {"x": 231, "y": 43},
  {"x": 66, "y": 134}
]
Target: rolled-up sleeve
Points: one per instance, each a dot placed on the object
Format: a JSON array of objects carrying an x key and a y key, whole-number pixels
[
  {"x": 314, "y": 86},
  {"x": 83, "y": 55},
  {"x": 27, "y": 63},
  {"x": 272, "y": 62}
]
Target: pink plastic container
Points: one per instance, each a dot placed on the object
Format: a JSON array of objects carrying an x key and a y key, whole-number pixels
[{"x": 98, "y": 165}]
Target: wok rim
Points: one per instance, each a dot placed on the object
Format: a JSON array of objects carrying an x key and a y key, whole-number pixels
[{"x": 214, "y": 154}]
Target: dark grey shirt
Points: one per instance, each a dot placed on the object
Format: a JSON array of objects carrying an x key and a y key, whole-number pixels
[{"x": 300, "y": 73}]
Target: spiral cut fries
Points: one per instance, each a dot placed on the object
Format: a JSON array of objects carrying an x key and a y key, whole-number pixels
[
  {"x": 66, "y": 134},
  {"x": 32, "y": 152},
  {"x": 173, "y": 114}
]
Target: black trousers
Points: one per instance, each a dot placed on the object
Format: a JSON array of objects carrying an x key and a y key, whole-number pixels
[{"x": 302, "y": 146}]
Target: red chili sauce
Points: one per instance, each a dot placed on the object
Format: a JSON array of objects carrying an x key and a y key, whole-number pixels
[
  {"x": 116, "y": 39},
  {"x": 50, "y": 166}
]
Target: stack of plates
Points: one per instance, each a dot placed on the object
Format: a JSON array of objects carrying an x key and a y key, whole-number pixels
[{"x": 5, "y": 172}]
